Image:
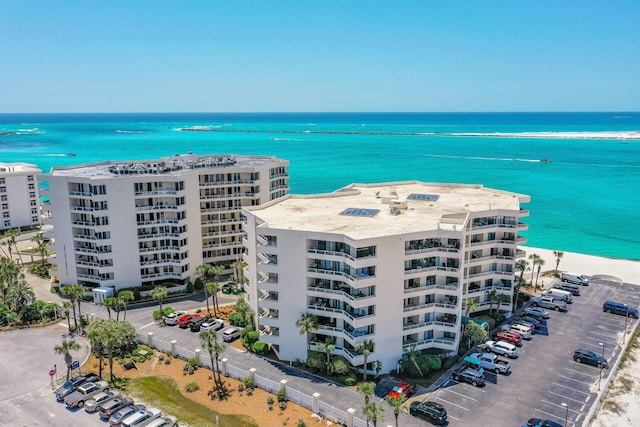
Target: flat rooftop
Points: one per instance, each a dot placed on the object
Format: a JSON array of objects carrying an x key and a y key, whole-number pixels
[
  {"x": 18, "y": 168},
  {"x": 385, "y": 209},
  {"x": 172, "y": 165}
]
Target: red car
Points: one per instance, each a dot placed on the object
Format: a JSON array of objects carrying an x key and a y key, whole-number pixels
[
  {"x": 510, "y": 337},
  {"x": 183, "y": 322},
  {"x": 402, "y": 388}
]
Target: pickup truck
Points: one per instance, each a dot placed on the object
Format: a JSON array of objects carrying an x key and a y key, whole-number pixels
[
  {"x": 549, "y": 302},
  {"x": 84, "y": 393},
  {"x": 491, "y": 362}
]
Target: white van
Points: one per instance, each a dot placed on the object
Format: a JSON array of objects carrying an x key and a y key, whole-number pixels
[
  {"x": 578, "y": 279},
  {"x": 524, "y": 331},
  {"x": 559, "y": 294}
]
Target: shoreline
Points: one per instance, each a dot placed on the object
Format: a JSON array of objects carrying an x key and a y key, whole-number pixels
[{"x": 589, "y": 265}]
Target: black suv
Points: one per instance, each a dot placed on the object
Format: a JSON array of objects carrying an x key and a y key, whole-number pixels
[
  {"x": 590, "y": 358},
  {"x": 196, "y": 323},
  {"x": 429, "y": 411}
]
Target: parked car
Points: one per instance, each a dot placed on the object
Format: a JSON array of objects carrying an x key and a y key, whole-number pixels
[
  {"x": 402, "y": 388},
  {"x": 489, "y": 362},
  {"x": 524, "y": 331},
  {"x": 142, "y": 418},
  {"x": 429, "y": 411},
  {"x": 549, "y": 302},
  {"x": 535, "y": 314},
  {"x": 578, "y": 279},
  {"x": 183, "y": 321},
  {"x": 469, "y": 375},
  {"x": 529, "y": 321},
  {"x": 196, "y": 323},
  {"x": 117, "y": 418},
  {"x": 111, "y": 407},
  {"x": 166, "y": 421},
  {"x": 85, "y": 392},
  {"x": 619, "y": 308},
  {"x": 501, "y": 348},
  {"x": 542, "y": 423},
  {"x": 93, "y": 404},
  {"x": 70, "y": 386},
  {"x": 172, "y": 318},
  {"x": 590, "y": 358},
  {"x": 231, "y": 334},
  {"x": 212, "y": 324},
  {"x": 539, "y": 310},
  {"x": 565, "y": 296},
  {"x": 569, "y": 287},
  {"x": 510, "y": 337}
]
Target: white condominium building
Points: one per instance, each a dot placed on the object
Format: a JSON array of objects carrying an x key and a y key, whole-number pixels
[
  {"x": 19, "y": 202},
  {"x": 136, "y": 223},
  {"x": 389, "y": 263}
]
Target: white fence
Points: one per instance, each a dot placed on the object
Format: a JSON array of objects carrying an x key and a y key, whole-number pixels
[{"x": 267, "y": 384}]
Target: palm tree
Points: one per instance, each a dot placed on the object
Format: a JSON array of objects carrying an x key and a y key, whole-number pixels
[
  {"x": 65, "y": 350},
  {"x": 216, "y": 271},
  {"x": 366, "y": 347},
  {"x": 519, "y": 283},
  {"x": 159, "y": 293},
  {"x": 213, "y": 288},
  {"x": 209, "y": 340},
  {"x": 75, "y": 293},
  {"x": 125, "y": 296},
  {"x": 536, "y": 260},
  {"x": 110, "y": 303},
  {"x": 397, "y": 403},
  {"x": 367, "y": 389},
  {"x": 522, "y": 265},
  {"x": 66, "y": 310},
  {"x": 202, "y": 271},
  {"x": 328, "y": 346},
  {"x": 377, "y": 366},
  {"x": 470, "y": 304},
  {"x": 9, "y": 274},
  {"x": 11, "y": 240},
  {"x": 308, "y": 323},
  {"x": 41, "y": 246},
  {"x": 374, "y": 412},
  {"x": 492, "y": 296},
  {"x": 20, "y": 294},
  {"x": 558, "y": 255},
  {"x": 238, "y": 267},
  {"x": 412, "y": 355}
]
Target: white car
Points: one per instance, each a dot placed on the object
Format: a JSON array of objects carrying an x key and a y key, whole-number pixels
[
  {"x": 502, "y": 348},
  {"x": 215, "y": 325},
  {"x": 172, "y": 319},
  {"x": 142, "y": 418},
  {"x": 166, "y": 421}
]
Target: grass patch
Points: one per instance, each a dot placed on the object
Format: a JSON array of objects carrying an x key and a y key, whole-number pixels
[
  {"x": 163, "y": 393},
  {"x": 613, "y": 406}
]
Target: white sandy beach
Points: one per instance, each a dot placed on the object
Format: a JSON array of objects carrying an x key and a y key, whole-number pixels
[{"x": 561, "y": 135}]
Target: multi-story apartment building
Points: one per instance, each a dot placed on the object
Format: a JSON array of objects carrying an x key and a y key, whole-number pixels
[
  {"x": 136, "y": 223},
  {"x": 392, "y": 264},
  {"x": 19, "y": 202}
]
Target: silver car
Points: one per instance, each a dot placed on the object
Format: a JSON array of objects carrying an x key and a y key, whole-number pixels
[
  {"x": 93, "y": 404},
  {"x": 117, "y": 418}
]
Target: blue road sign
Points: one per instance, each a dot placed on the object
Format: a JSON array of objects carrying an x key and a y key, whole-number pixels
[{"x": 75, "y": 365}]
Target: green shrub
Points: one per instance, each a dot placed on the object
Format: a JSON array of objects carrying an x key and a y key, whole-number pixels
[
  {"x": 189, "y": 288},
  {"x": 340, "y": 366},
  {"x": 237, "y": 319},
  {"x": 250, "y": 338},
  {"x": 55, "y": 289},
  {"x": 261, "y": 348},
  {"x": 248, "y": 382},
  {"x": 198, "y": 285},
  {"x": 136, "y": 293},
  {"x": 240, "y": 387},
  {"x": 449, "y": 362},
  {"x": 348, "y": 380},
  {"x": 167, "y": 361},
  {"x": 191, "y": 387},
  {"x": 434, "y": 362},
  {"x": 281, "y": 395},
  {"x": 301, "y": 423},
  {"x": 270, "y": 402},
  {"x": 282, "y": 405},
  {"x": 315, "y": 360}
]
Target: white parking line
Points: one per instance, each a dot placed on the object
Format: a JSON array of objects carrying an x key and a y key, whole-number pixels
[
  {"x": 565, "y": 397},
  {"x": 605, "y": 342},
  {"x": 578, "y": 381},
  {"x": 460, "y": 394},
  {"x": 581, "y": 373},
  {"x": 597, "y": 333},
  {"x": 572, "y": 389},
  {"x": 560, "y": 406},
  {"x": 152, "y": 323},
  {"x": 450, "y": 403}
]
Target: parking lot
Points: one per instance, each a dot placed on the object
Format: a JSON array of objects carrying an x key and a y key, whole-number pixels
[{"x": 545, "y": 376}]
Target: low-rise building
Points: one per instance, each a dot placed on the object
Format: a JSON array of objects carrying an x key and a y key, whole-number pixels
[{"x": 19, "y": 200}]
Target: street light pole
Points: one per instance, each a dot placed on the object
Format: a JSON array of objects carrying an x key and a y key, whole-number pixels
[
  {"x": 626, "y": 320},
  {"x": 601, "y": 366},
  {"x": 566, "y": 414}
]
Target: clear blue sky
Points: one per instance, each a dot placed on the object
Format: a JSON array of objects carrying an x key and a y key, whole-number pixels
[{"x": 236, "y": 56}]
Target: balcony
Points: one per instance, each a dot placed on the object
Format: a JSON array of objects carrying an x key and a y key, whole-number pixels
[
  {"x": 331, "y": 253},
  {"x": 443, "y": 342}
]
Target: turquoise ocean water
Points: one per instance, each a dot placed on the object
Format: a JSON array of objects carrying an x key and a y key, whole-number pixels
[{"x": 586, "y": 200}]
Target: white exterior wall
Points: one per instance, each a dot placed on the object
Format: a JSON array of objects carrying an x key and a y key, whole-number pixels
[
  {"x": 128, "y": 234},
  {"x": 20, "y": 204},
  {"x": 427, "y": 314}
]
